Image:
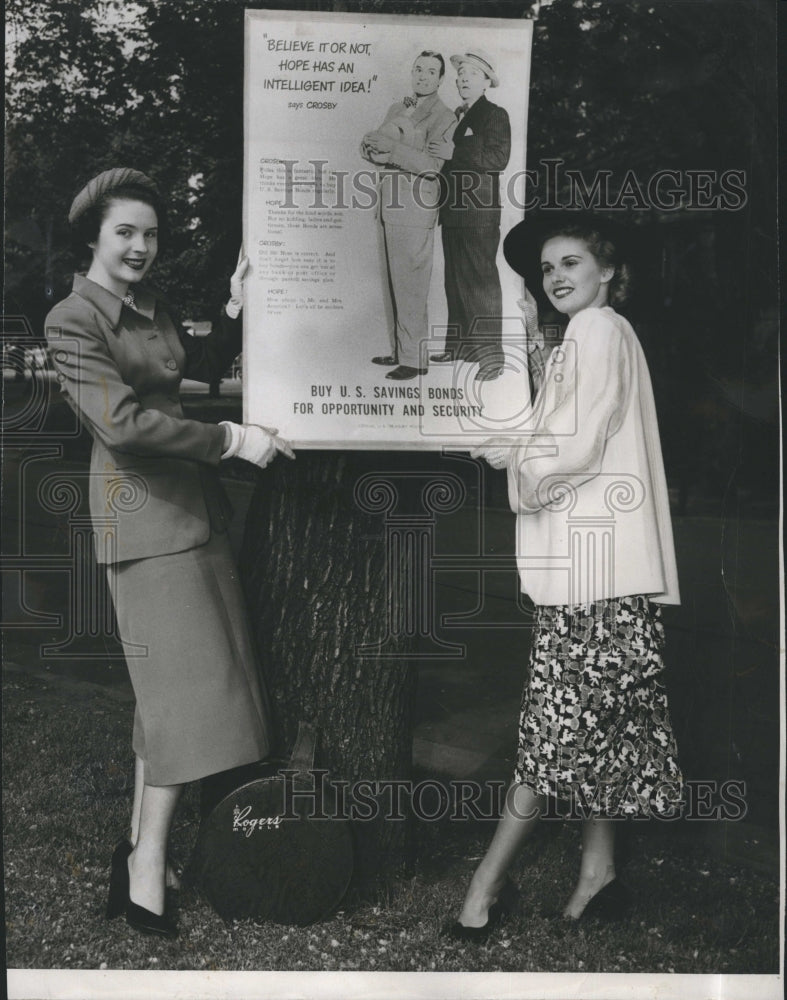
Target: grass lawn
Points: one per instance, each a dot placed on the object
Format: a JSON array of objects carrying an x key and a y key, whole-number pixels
[{"x": 67, "y": 783}]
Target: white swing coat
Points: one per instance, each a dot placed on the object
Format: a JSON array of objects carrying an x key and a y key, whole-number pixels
[{"x": 588, "y": 483}]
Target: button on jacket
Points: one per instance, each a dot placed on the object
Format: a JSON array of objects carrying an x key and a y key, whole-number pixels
[
  {"x": 153, "y": 482},
  {"x": 588, "y": 482}
]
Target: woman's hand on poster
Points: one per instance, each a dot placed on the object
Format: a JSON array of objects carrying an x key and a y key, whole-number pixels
[
  {"x": 495, "y": 451},
  {"x": 443, "y": 148},
  {"x": 253, "y": 443},
  {"x": 237, "y": 294}
]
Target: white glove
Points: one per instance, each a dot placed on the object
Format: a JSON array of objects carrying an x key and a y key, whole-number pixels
[
  {"x": 495, "y": 452},
  {"x": 529, "y": 308},
  {"x": 235, "y": 303},
  {"x": 255, "y": 444}
]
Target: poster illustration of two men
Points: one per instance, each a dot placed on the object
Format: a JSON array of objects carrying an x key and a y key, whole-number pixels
[{"x": 383, "y": 159}]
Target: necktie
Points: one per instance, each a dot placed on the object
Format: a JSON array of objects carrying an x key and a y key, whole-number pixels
[
  {"x": 410, "y": 102},
  {"x": 462, "y": 110}
]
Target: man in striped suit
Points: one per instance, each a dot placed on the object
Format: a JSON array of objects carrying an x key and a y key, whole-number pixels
[{"x": 470, "y": 218}]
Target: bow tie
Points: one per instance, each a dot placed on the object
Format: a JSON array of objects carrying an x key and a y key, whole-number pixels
[
  {"x": 410, "y": 102},
  {"x": 462, "y": 110}
]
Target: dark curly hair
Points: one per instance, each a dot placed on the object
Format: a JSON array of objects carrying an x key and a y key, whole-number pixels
[
  {"x": 433, "y": 55},
  {"x": 86, "y": 228},
  {"x": 606, "y": 245}
]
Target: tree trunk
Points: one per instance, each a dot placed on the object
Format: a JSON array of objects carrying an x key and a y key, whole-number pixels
[{"x": 333, "y": 570}]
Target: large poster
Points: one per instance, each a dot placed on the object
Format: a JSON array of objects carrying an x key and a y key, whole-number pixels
[{"x": 354, "y": 128}]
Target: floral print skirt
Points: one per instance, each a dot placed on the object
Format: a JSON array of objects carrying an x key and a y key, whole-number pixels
[{"x": 594, "y": 730}]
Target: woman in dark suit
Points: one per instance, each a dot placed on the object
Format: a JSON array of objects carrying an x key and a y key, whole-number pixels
[{"x": 159, "y": 519}]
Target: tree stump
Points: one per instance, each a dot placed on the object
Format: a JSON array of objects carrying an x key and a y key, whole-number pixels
[{"x": 333, "y": 568}]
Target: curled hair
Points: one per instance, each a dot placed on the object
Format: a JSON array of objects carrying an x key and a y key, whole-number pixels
[
  {"x": 86, "y": 228},
  {"x": 605, "y": 247},
  {"x": 434, "y": 55}
]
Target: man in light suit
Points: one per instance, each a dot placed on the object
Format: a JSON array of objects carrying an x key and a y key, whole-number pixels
[
  {"x": 409, "y": 195},
  {"x": 470, "y": 218}
]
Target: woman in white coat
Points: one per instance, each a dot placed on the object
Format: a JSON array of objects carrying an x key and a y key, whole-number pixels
[{"x": 596, "y": 556}]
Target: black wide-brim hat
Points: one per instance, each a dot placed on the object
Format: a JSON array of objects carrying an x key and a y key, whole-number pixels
[{"x": 522, "y": 244}]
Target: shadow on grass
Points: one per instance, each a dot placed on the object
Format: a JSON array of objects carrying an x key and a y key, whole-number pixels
[{"x": 67, "y": 785}]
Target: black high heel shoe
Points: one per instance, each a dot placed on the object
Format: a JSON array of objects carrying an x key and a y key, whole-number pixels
[
  {"x": 118, "y": 880},
  {"x": 147, "y": 922},
  {"x": 610, "y": 904},
  {"x": 119, "y": 900},
  {"x": 498, "y": 911}
]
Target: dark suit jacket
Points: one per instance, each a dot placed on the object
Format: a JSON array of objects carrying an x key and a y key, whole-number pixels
[
  {"x": 153, "y": 485},
  {"x": 471, "y": 178}
]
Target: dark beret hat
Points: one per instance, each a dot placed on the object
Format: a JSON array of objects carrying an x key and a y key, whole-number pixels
[{"x": 104, "y": 183}]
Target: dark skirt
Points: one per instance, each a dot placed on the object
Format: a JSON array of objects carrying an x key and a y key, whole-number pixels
[
  {"x": 595, "y": 730},
  {"x": 201, "y": 706}
]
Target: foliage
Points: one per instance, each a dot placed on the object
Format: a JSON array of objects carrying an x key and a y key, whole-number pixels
[{"x": 158, "y": 85}]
